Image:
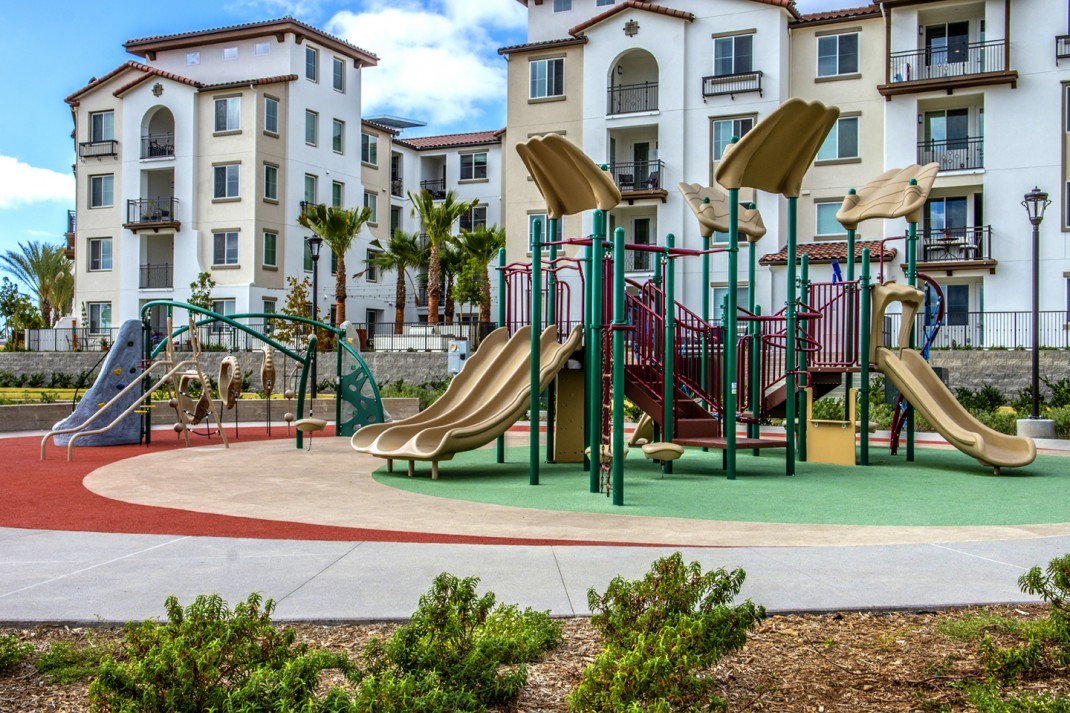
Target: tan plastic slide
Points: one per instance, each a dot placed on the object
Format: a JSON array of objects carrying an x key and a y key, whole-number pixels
[
  {"x": 921, "y": 386},
  {"x": 487, "y": 397}
]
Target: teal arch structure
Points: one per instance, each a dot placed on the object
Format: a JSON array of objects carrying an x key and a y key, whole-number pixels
[{"x": 357, "y": 401}]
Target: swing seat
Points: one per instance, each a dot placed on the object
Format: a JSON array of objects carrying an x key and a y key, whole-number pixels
[
  {"x": 662, "y": 451},
  {"x": 308, "y": 425}
]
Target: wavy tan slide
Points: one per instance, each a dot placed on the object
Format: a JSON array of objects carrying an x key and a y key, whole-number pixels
[
  {"x": 916, "y": 380},
  {"x": 482, "y": 402}
]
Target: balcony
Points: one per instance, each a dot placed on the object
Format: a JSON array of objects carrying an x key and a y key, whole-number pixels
[
  {"x": 953, "y": 154},
  {"x": 952, "y": 249},
  {"x": 639, "y": 179},
  {"x": 158, "y": 146},
  {"x": 437, "y": 189},
  {"x": 152, "y": 213},
  {"x": 157, "y": 277},
  {"x": 397, "y": 187},
  {"x": 636, "y": 261},
  {"x": 98, "y": 149},
  {"x": 632, "y": 98},
  {"x": 957, "y": 66},
  {"x": 732, "y": 84},
  {"x": 1062, "y": 47},
  {"x": 71, "y": 234}
]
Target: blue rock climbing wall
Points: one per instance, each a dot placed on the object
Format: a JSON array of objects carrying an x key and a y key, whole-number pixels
[{"x": 125, "y": 358}]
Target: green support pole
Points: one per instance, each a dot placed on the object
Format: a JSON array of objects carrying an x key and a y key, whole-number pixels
[
  {"x": 755, "y": 385},
  {"x": 551, "y": 318},
  {"x": 728, "y": 397},
  {"x": 912, "y": 280},
  {"x": 595, "y": 402},
  {"x": 536, "y": 351},
  {"x": 668, "y": 411},
  {"x": 499, "y": 445},
  {"x": 848, "y": 378},
  {"x": 789, "y": 342},
  {"x": 753, "y": 429},
  {"x": 619, "y": 322},
  {"x": 863, "y": 362},
  {"x": 804, "y": 297},
  {"x": 588, "y": 389}
]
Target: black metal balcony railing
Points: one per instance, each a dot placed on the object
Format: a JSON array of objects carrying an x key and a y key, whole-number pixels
[
  {"x": 635, "y": 261},
  {"x": 956, "y": 244},
  {"x": 629, "y": 98},
  {"x": 146, "y": 211},
  {"x": 1062, "y": 47},
  {"x": 72, "y": 222},
  {"x": 953, "y": 154},
  {"x": 158, "y": 145},
  {"x": 437, "y": 189},
  {"x": 157, "y": 277},
  {"x": 732, "y": 84},
  {"x": 955, "y": 60},
  {"x": 96, "y": 149},
  {"x": 638, "y": 175},
  {"x": 990, "y": 330},
  {"x": 397, "y": 187}
]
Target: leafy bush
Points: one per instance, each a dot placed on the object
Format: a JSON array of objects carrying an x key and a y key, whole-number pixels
[
  {"x": 1059, "y": 392},
  {"x": 427, "y": 393},
  {"x": 207, "y": 657},
  {"x": 660, "y": 631},
  {"x": 1002, "y": 422},
  {"x": 7, "y": 378},
  {"x": 35, "y": 379},
  {"x": 1053, "y": 585},
  {"x": 986, "y": 398},
  {"x": 1061, "y": 416},
  {"x": 65, "y": 662},
  {"x": 12, "y": 652}
]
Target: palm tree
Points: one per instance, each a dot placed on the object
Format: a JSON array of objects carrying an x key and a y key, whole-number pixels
[
  {"x": 46, "y": 270},
  {"x": 338, "y": 227},
  {"x": 482, "y": 246},
  {"x": 438, "y": 218},
  {"x": 401, "y": 253},
  {"x": 453, "y": 260}
]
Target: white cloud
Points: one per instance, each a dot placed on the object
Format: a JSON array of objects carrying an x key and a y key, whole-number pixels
[
  {"x": 439, "y": 58},
  {"x": 36, "y": 233},
  {"x": 301, "y": 9},
  {"x": 21, "y": 183}
]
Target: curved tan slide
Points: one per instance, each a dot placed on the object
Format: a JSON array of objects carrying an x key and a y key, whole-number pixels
[
  {"x": 482, "y": 402},
  {"x": 916, "y": 380}
]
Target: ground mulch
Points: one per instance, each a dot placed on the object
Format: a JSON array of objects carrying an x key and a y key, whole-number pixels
[{"x": 813, "y": 663}]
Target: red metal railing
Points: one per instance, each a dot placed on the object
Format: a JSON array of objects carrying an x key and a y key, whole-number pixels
[
  {"x": 835, "y": 332},
  {"x": 518, "y": 293}
]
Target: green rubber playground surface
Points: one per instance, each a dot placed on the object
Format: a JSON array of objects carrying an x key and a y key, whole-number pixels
[{"x": 941, "y": 487}]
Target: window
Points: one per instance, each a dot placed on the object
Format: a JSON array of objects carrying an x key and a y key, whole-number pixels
[
  {"x": 369, "y": 149},
  {"x": 102, "y": 126},
  {"x": 371, "y": 202},
  {"x": 338, "y": 129},
  {"x": 225, "y": 181},
  {"x": 475, "y": 219},
  {"x": 725, "y": 129},
  {"x": 547, "y": 78},
  {"x": 719, "y": 295},
  {"x": 101, "y": 191},
  {"x": 372, "y": 273},
  {"x": 1066, "y": 213},
  {"x": 338, "y": 74},
  {"x": 958, "y": 305},
  {"x": 225, "y": 308},
  {"x": 271, "y": 115},
  {"x": 311, "y": 188},
  {"x": 562, "y": 5},
  {"x": 193, "y": 58},
  {"x": 826, "y": 218},
  {"x": 338, "y": 193},
  {"x": 312, "y": 60},
  {"x": 334, "y": 263},
  {"x": 230, "y": 53},
  {"x": 308, "y": 257},
  {"x": 473, "y": 166},
  {"x": 271, "y": 249},
  {"x": 99, "y": 317},
  {"x": 395, "y": 220},
  {"x": 311, "y": 127},
  {"x": 541, "y": 217},
  {"x": 732, "y": 55},
  {"x": 842, "y": 141},
  {"x": 261, "y": 48},
  {"x": 99, "y": 254},
  {"x": 837, "y": 54},
  {"x": 228, "y": 114},
  {"x": 271, "y": 182},
  {"x": 225, "y": 248},
  {"x": 946, "y": 215},
  {"x": 270, "y": 305},
  {"x": 602, "y": 3}
]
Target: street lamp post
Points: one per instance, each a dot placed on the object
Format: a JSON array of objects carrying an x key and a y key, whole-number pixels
[
  {"x": 1036, "y": 201},
  {"x": 314, "y": 243}
]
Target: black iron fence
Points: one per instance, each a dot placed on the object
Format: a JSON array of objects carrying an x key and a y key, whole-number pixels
[
  {"x": 437, "y": 189},
  {"x": 636, "y": 261},
  {"x": 94, "y": 149},
  {"x": 158, "y": 145},
  {"x": 1062, "y": 47},
  {"x": 154, "y": 277},
  {"x": 397, "y": 187},
  {"x": 151, "y": 210},
  {"x": 957, "y": 244},
  {"x": 956, "y": 59},
  {"x": 630, "y": 98},
  {"x": 953, "y": 154},
  {"x": 732, "y": 84},
  {"x": 991, "y": 330},
  {"x": 638, "y": 175}
]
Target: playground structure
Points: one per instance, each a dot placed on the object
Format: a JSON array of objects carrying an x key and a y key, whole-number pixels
[{"x": 137, "y": 369}]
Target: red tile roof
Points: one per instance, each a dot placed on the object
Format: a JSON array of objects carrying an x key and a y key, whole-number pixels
[
  {"x": 826, "y": 252},
  {"x": 447, "y": 141},
  {"x": 788, "y": 5},
  {"x": 545, "y": 44},
  {"x": 627, "y": 4},
  {"x": 381, "y": 127},
  {"x": 95, "y": 82},
  {"x": 147, "y": 72},
  {"x": 829, "y": 16}
]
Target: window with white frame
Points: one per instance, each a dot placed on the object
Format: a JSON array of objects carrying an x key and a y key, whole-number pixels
[
  {"x": 543, "y": 226},
  {"x": 99, "y": 317},
  {"x": 338, "y": 193},
  {"x": 230, "y": 53},
  {"x": 733, "y": 55},
  {"x": 826, "y": 223},
  {"x": 338, "y": 130},
  {"x": 312, "y": 120},
  {"x": 562, "y": 5},
  {"x": 312, "y": 61},
  {"x": 372, "y": 273},
  {"x": 99, "y": 254},
  {"x": 101, "y": 191},
  {"x": 338, "y": 74},
  {"x": 311, "y": 188},
  {"x": 842, "y": 141},
  {"x": 225, "y": 181},
  {"x": 371, "y": 202},
  {"x": 228, "y": 114},
  {"x": 102, "y": 126},
  {"x": 271, "y": 182},
  {"x": 193, "y": 58},
  {"x": 547, "y": 78},
  {"x": 369, "y": 149},
  {"x": 271, "y": 249},
  {"x": 225, "y": 248},
  {"x": 261, "y": 48},
  {"x": 271, "y": 115},
  {"x": 837, "y": 54},
  {"x": 270, "y": 306},
  {"x": 473, "y": 166},
  {"x": 475, "y": 219},
  {"x": 603, "y": 3},
  {"x": 725, "y": 129},
  {"x": 225, "y": 308}
]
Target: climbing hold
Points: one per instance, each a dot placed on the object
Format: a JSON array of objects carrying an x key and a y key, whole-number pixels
[
  {"x": 101, "y": 405},
  {"x": 117, "y": 371},
  {"x": 133, "y": 370}
]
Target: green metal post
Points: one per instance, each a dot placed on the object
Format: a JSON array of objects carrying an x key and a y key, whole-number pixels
[
  {"x": 595, "y": 402},
  {"x": 668, "y": 410},
  {"x": 146, "y": 350},
  {"x": 912, "y": 280},
  {"x": 301, "y": 388},
  {"x": 863, "y": 361},
  {"x": 848, "y": 378},
  {"x": 756, "y": 373},
  {"x": 551, "y": 319},
  {"x": 728, "y": 397},
  {"x": 499, "y": 445},
  {"x": 536, "y": 351},
  {"x": 619, "y": 322},
  {"x": 790, "y": 314},
  {"x": 804, "y": 297}
]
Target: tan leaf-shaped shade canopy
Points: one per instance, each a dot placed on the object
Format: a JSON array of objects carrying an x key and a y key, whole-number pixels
[
  {"x": 776, "y": 154},
  {"x": 890, "y": 195},
  {"x": 710, "y": 206},
  {"x": 569, "y": 181}
]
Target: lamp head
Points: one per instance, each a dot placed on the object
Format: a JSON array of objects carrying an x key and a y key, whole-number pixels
[
  {"x": 314, "y": 242},
  {"x": 1036, "y": 202}
]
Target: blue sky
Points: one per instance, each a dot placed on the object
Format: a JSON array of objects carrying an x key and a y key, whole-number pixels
[{"x": 53, "y": 47}]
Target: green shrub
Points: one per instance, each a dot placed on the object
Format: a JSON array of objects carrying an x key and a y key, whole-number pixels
[
  {"x": 1059, "y": 392},
  {"x": 660, "y": 631},
  {"x": 986, "y": 398},
  {"x": 1053, "y": 585},
  {"x": 1002, "y": 422},
  {"x": 207, "y": 657},
  {"x": 7, "y": 378},
  {"x": 987, "y": 699},
  {"x": 35, "y": 380},
  {"x": 427, "y": 393},
  {"x": 12, "y": 652},
  {"x": 1023, "y": 402},
  {"x": 829, "y": 409},
  {"x": 65, "y": 662},
  {"x": 1061, "y": 416}
]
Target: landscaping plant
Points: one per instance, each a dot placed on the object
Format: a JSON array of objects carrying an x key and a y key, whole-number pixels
[{"x": 12, "y": 652}]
